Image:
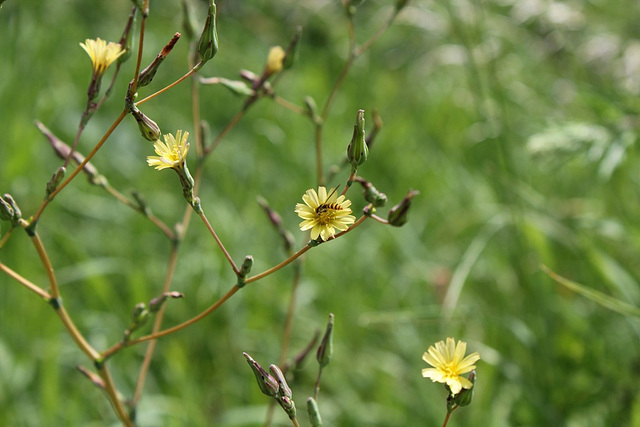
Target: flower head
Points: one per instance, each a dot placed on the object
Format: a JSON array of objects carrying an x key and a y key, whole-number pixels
[
  {"x": 449, "y": 363},
  {"x": 102, "y": 54},
  {"x": 172, "y": 153},
  {"x": 323, "y": 213}
]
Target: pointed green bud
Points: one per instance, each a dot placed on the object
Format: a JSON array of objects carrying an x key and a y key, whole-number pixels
[
  {"x": 156, "y": 304},
  {"x": 147, "y": 75},
  {"x": 141, "y": 203},
  {"x": 6, "y": 211},
  {"x": 325, "y": 350},
  {"x": 55, "y": 180},
  {"x": 312, "y": 110},
  {"x": 16, "y": 213},
  {"x": 357, "y": 151},
  {"x": 314, "y": 413},
  {"x": 140, "y": 314},
  {"x": 127, "y": 36},
  {"x": 398, "y": 214},
  {"x": 268, "y": 385},
  {"x": 148, "y": 128},
  {"x": 291, "y": 54},
  {"x": 466, "y": 395},
  {"x": 237, "y": 87},
  {"x": 246, "y": 265},
  {"x": 208, "y": 43}
]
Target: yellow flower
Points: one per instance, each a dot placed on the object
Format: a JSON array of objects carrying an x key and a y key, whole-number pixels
[
  {"x": 324, "y": 213},
  {"x": 172, "y": 153},
  {"x": 275, "y": 60},
  {"x": 102, "y": 54},
  {"x": 449, "y": 363}
]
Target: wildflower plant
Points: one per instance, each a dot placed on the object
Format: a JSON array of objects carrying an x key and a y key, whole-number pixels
[{"x": 326, "y": 213}]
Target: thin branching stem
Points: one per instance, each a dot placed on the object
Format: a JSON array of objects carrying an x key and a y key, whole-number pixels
[
  {"x": 217, "y": 239},
  {"x": 26, "y": 283},
  {"x": 113, "y": 395}
]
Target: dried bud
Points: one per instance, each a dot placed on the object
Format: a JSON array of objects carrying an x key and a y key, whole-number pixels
[
  {"x": 357, "y": 151},
  {"x": 398, "y": 214},
  {"x": 314, "y": 413},
  {"x": 147, "y": 75},
  {"x": 274, "y": 60},
  {"x": 325, "y": 350},
  {"x": 208, "y": 43},
  {"x": 268, "y": 385},
  {"x": 148, "y": 128}
]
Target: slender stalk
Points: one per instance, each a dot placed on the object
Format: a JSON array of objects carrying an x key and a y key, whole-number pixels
[
  {"x": 46, "y": 263},
  {"x": 26, "y": 283},
  {"x": 446, "y": 418},
  {"x": 6, "y": 237},
  {"x": 279, "y": 266},
  {"x": 157, "y": 324},
  {"x": 288, "y": 323},
  {"x": 113, "y": 395},
  {"x": 295, "y": 422},
  {"x": 217, "y": 239},
  {"x": 166, "y": 88}
]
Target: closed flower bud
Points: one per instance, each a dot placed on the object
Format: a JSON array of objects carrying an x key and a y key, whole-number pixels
[
  {"x": 372, "y": 195},
  {"x": 398, "y": 214},
  {"x": 268, "y": 385},
  {"x": 14, "y": 211},
  {"x": 325, "y": 350},
  {"x": 55, "y": 180},
  {"x": 274, "y": 60},
  {"x": 148, "y": 128},
  {"x": 127, "y": 36},
  {"x": 314, "y": 413},
  {"x": 283, "y": 387},
  {"x": 246, "y": 265},
  {"x": 208, "y": 43},
  {"x": 292, "y": 50},
  {"x": 312, "y": 110},
  {"x": 357, "y": 151},
  {"x": 237, "y": 87},
  {"x": 466, "y": 395},
  {"x": 156, "y": 304},
  {"x": 6, "y": 211},
  {"x": 289, "y": 406}
]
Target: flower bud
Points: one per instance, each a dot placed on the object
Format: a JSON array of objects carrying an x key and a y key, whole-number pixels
[
  {"x": 357, "y": 151},
  {"x": 372, "y": 195},
  {"x": 14, "y": 211},
  {"x": 283, "y": 387},
  {"x": 156, "y": 304},
  {"x": 466, "y": 395},
  {"x": 312, "y": 110},
  {"x": 268, "y": 385},
  {"x": 398, "y": 214},
  {"x": 325, "y": 350},
  {"x": 146, "y": 76},
  {"x": 148, "y": 128},
  {"x": 274, "y": 60},
  {"x": 127, "y": 36},
  {"x": 208, "y": 43},
  {"x": 6, "y": 211},
  {"x": 314, "y": 413},
  {"x": 292, "y": 50},
  {"x": 246, "y": 265},
  {"x": 237, "y": 87},
  {"x": 55, "y": 180},
  {"x": 289, "y": 406}
]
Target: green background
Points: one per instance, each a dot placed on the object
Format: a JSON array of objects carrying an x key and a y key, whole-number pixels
[{"x": 516, "y": 120}]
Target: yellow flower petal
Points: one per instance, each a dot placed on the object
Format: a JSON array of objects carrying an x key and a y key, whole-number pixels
[
  {"x": 324, "y": 212},
  {"x": 449, "y": 363}
]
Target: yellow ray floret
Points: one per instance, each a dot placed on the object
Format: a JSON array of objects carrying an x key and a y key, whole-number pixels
[{"x": 324, "y": 213}]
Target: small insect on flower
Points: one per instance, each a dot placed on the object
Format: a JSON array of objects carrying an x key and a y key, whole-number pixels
[{"x": 324, "y": 213}]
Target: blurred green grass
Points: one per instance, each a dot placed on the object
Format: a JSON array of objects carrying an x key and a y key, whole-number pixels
[{"x": 517, "y": 122}]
